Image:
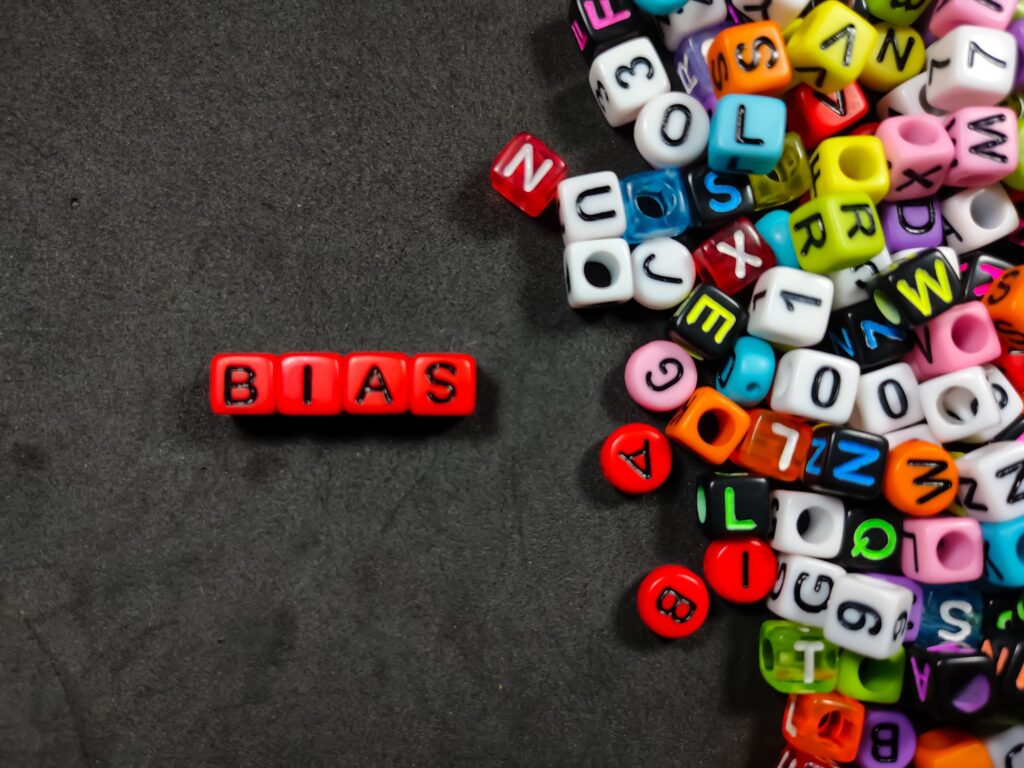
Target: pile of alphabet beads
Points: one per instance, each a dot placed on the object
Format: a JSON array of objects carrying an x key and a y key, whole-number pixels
[{"x": 830, "y": 222}]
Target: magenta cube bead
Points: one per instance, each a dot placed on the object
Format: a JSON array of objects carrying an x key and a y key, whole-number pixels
[
  {"x": 958, "y": 338},
  {"x": 916, "y": 608},
  {"x": 985, "y": 142},
  {"x": 952, "y": 13},
  {"x": 920, "y": 153},
  {"x": 942, "y": 550},
  {"x": 889, "y": 739},
  {"x": 911, "y": 224}
]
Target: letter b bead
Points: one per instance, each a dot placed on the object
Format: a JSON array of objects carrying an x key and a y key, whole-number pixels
[
  {"x": 243, "y": 384},
  {"x": 868, "y": 616}
]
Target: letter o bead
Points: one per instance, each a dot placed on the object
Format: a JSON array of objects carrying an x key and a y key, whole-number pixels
[
  {"x": 660, "y": 376},
  {"x": 673, "y": 601},
  {"x": 672, "y": 130},
  {"x": 636, "y": 458}
]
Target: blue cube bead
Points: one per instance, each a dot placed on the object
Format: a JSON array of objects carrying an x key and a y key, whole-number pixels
[
  {"x": 748, "y": 133},
  {"x": 656, "y": 205},
  {"x": 774, "y": 229},
  {"x": 746, "y": 375},
  {"x": 660, "y": 7},
  {"x": 952, "y": 614},
  {"x": 1004, "y": 553}
]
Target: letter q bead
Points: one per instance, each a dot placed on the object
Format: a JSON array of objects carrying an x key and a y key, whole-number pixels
[{"x": 661, "y": 376}]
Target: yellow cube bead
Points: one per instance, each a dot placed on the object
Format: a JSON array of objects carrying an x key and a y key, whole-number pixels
[
  {"x": 829, "y": 49},
  {"x": 1016, "y": 179},
  {"x": 836, "y": 232},
  {"x": 898, "y": 55},
  {"x": 899, "y": 11},
  {"x": 850, "y": 164}
]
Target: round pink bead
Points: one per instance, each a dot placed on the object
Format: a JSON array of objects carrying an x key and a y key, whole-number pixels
[
  {"x": 919, "y": 152},
  {"x": 958, "y": 338},
  {"x": 661, "y": 376},
  {"x": 980, "y": 158},
  {"x": 942, "y": 550}
]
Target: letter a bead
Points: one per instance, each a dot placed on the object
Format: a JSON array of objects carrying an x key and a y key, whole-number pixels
[
  {"x": 527, "y": 174},
  {"x": 243, "y": 384},
  {"x": 636, "y": 458},
  {"x": 897, "y": 56},
  {"x": 673, "y": 601}
]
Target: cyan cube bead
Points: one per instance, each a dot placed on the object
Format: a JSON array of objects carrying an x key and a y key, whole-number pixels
[
  {"x": 774, "y": 230},
  {"x": 952, "y": 614},
  {"x": 1004, "y": 553},
  {"x": 746, "y": 375},
  {"x": 656, "y": 205},
  {"x": 748, "y": 133}
]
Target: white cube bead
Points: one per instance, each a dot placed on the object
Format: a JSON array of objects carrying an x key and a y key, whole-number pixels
[
  {"x": 690, "y": 19},
  {"x": 611, "y": 259},
  {"x": 663, "y": 273},
  {"x": 626, "y": 77},
  {"x": 992, "y": 482},
  {"x": 808, "y": 524},
  {"x": 1006, "y": 748},
  {"x": 591, "y": 207},
  {"x": 672, "y": 130},
  {"x": 850, "y": 284},
  {"x": 1009, "y": 402},
  {"x": 790, "y": 307},
  {"x": 887, "y": 400},
  {"x": 959, "y": 404},
  {"x": 978, "y": 217},
  {"x": 868, "y": 616},
  {"x": 908, "y": 98},
  {"x": 815, "y": 385},
  {"x": 803, "y": 588},
  {"x": 970, "y": 67},
  {"x": 916, "y": 432}
]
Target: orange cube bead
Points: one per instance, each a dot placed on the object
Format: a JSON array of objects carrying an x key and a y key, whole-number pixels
[
  {"x": 921, "y": 478},
  {"x": 828, "y": 725},
  {"x": 950, "y": 748},
  {"x": 1005, "y": 303},
  {"x": 776, "y": 445},
  {"x": 750, "y": 58},
  {"x": 710, "y": 424}
]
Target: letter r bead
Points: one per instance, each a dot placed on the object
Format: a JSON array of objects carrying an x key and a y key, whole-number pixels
[{"x": 243, "y": 384}]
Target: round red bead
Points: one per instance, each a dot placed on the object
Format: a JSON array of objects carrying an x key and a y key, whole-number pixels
[
  {"x": 673, "y": 601},
  {"x": 636, "y": 458},
  {"x": 740, "y": 570}
]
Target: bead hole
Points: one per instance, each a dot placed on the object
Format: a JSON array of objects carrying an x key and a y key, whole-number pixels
[
  {"x": 922, "y": 133},
  {"x": 856, "y": 163},
  {"x": 601, "y": 269},
  {"x": 958, "y": 405},
  {"x": 708, "y": 427},
  {"x": 968, "y": 334},
  {"x": 834, "y": 727},
  {"x": 815, "y": 525},
  {"x": 986, "y": 209},
  {"x": 768, "y": 654},
  {"x": 955, "y": 551},
  {"x": 874, "y": 673},
  {"x": 651, "y": 205}
]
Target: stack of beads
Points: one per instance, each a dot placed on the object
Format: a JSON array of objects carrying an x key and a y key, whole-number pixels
[{"x": 853, "y": 299}]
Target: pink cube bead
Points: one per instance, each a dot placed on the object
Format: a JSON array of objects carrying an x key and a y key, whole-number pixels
[
  {"x": 985, "y": 144},
  {"x": 952, "y": 13},
  {"x": 958, "y": 338},
  {"x": 920, "y": 154},
  {"x": 661, "y": 376},
  {"x": 942, "y": 550}
]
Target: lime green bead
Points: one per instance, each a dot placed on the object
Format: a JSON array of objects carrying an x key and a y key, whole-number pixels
[
  {"x": 879, "y": 681},
  {"x": 903, "y": 12},
  {"x": 797, "y": 659},
  {"x": 790, "y": 179},
  {"x": 1016, "y": 179},
  {"x": 897, "y": 55},
  {"x": 1015, "y": 101},
  {"x": 1018, "y": 12},
  {"x": 829, "y": 48},
  {"x": 850, "y": 164},
  {"x": 834, "y": 232}
]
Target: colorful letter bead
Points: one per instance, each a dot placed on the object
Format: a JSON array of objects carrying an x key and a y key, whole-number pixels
[
  {"x": 673, "y": 601},
  {"x": 598, "y": 272},
  {"x": 788, "y": 181},
  {"x": 917, "y": 606},
  {"x": 952, "y": 614},
  {"x": 1004, "y": 542},
  {"x": 897, "y": 11},
  {"x": 377, "y": 383},
  {"x": 626, "y": 77},
  {"x": 740, "y": 570},
  {"x": 871, "y": 540},
  {"x": 1006, "y": 747},
  {"x": 311, "y": 384},
  {"x": 914, "y": 290},
  {"x": 908, "y": 98},
  {"x": 952, "y": 13},
  {"x": 692, "y": 67},
  {"x": 807, "y": 524},
  {"x": 985, "y": 139},
  {"x": 889, "y": 739},
  {"x": 711, "y": 425},
  {"x": 833, "y": 232},
  {"x": 942, "y": 550},
  {"x": 660, "y": 6},
  {"x": 958, "y": 338},
  {"x": 802, "y": 590},
  {"x": 663, "y": 273},
  {"x": 790, "y": 307},
  {"x": 1006, "y": 651},
  {"x": 846, "y": 461},
  {"x": 846, "y": 164},
  {"x": 746, "y": 375},
  {"x": 959, "y": 404},
  {"x": 829, "y": 725},
  {"x": 1015, "y": 180},
  {"x": 992, "y": 482},
  {"x": 591, "y": 207},
  {"x": 689, "y": 20},
  {"x": 815, "y": 385},
  {"x": 597, "y": 24},
  {"x": 897, "y": 56},
  {"x": 830, "y": 47},
  {"x": 794, "y": 758},
  {"x": 796, "y": 659},
  {"x": 527, "y": 174},
  {"x": 660, "y": 376},
  {"x": 912, "y": 224},
  {"x": 977, "y": 273},
  {"x": 1010, "y": 406},
  {"x": 920, "y": 153},
  {"x": 863, "y": 334},
  {"x": 975, "y": 218},
  {"x": 656, "y": 205},
  {"x": 1005, "y": 303},
  {"x": 815, "y": 115},
  {"x": 782, "y": 12},
  {"x": 442, "y": 384},
  {"x": 868, "y": 615},
  {"x": 636, "y": 458},
  {"x": 708, "y": 323},
  {"x": 672, "y": 130},
  {"x": 731, "y": 506},
  {"x": 749, "y": 58},
  {"x": 243, "y": 384},
  {"x": 1002, "y": 614},
  {"x": 747, "y": 134},
  {"x": 950, "y": 748},
  {"x": 775, "y": 445},
  {"x": 774, "y": 230},
  {"x": 876, "y": 681},
  {"x": 920, "y": 478},
  {"x": 734, "y": 257},
  {"x": 887, "y": 400},
  {"x": 971, "y": 66},
  {"x": 951, "y": 685},
  {"x": 718, "y": 198}
]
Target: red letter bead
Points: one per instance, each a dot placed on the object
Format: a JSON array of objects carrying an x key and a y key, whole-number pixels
[
  {"x": 636, "y": 458},
  {"x": 826, "y": 724},
  {"x": 527, "y": 174},
  {"x": 740, "y": 570},
  {"x": 377, "y": 383},
  {"x": 310, "y": 384},
  {"x": 242, "y": 384},
  {"x": 734, "y": 257},
  {"x": 443, "y": 385},
  {"x": 673, "y": 601},
  {"x": 816, "y": 116}
]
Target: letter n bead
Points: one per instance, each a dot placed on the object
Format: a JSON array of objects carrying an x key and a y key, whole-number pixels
[
  {"x": 243, "y": 384},
  {"x": 868, "y": 615},
  {"x": 527, "y": 174},
  {"x": 443, "y": 385},
  {"x": 377, "y": 384},
  {"x": 828, "y": 725}
]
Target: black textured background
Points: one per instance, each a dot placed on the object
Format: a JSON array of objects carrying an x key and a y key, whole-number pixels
[{"x": 178, "y": 179}]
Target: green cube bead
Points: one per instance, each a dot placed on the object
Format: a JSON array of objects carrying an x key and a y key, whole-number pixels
[
  {"x": 1016, "y": 179},
  {"x": 835, "y": 232},
  {"x": 797, "y": 659},
  {"x": 878, "y": 681},
  {"x": 902, "y": 12}
]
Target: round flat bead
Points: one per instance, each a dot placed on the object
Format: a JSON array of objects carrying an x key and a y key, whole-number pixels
[
  {"x": 636, "y": 458},
  {"x": 673, "y": 601},
  {"x": 740, "y": 570},
  {"x": 661, "y": 376}
]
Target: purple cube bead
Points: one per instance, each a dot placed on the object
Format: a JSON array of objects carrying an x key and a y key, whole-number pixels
[
  {"x": 889, "y": 739},
  {"x": 916, "y": 609},
  {"x": 692, "y": 66},
  {"x": 911, "y": 224},
  {"x": 1017, "y": 30}
]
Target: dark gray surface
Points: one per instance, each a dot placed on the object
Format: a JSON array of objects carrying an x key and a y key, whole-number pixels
[{"x": 178, "y": 179}]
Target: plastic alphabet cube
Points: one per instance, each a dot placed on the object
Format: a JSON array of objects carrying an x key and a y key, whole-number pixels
[
  {"x": 845, "y": 164},
  {"x": 794, "y": 758},
  {"x": 952, "y": 684},
  {"x": 917, "y": 606},
  {"x": 952, "y": 614},
  {"x": 663, "y": 273},
  {"x": 1006, "y": 747},
  {"x": 951, "y": 14},
  {"x": 718, "y": 198},
  {"x": 803, "y": 588},
  {"x": 636, "y": 458},
  {"x": 985, "y": 139},
  {"x": 897, "y": 56},
  {"x": 310, "y": 384},
  {"x": 862, "y": 333},
  {"x": 1005, "y": 303},
  {"x": 731, "y": 506},
  {"x": 692, "y": 18},
  {"x": 942, "y": 550},
  {"x": 591, "y": 207},
  {"x": 908, "y": 98},
  {"x": 660, "y": 376},
  {"x": 920, "y": 154},
  {"x": 527, "y": 174},
  {"x": 846, "y": 461},
  {"x": 978, "y": 271},
  {"x": 609, "y": 279},
  {"x": 887, "y": 400},
  {"x": 833, "y": 232},
  {"x": 377, "y": 384},
  {"x": 830, "y": 47},
  {"x": 746, "y": 375},
  {"x": 775, "y": 446},
  {"x": 598, "y": 24},
  {"x": 950, "y": 748},
  {"x": 730, "y": 425},
  {"x": 828, "y": 725},
  {"x": 868, "y": 615},
  {"x": 243, "y": 384},
  {"x": 708, "y": 323},
  {"x": 975, "y": 218},
  {"x": 916, "y": 289},
  {"x": 749, "y": 58},
  {"x": 656, "y": 205},
  {"x": 992, "y": 482},
  {"x": 672, "y": 130},
  {"x": 897, "y": 11},
  {"x": 889, "y": 739},
  {"x": 626, "y": 77},
  {"x": 876, "y": 681},
  {"x": 692, "y": 66},
  {"x": 1004, "y": 542},
  {"x": 734, "y": 257},
  {"x": 797, "y": 659},
  {"x": 958, "y": 338},
  {"x": 851, "y": 283},
  {"x": 442, "y": 384},
  {"x": 788, "y": 181},
  {"x": 815, "y": 385},
  {"x": 774, "y": 230},
  {"x": 871, "y": 540},
  {"x": 747, "y": 134},
  {"x": 920, "y": 478},
  {"x": 912, "y": 224},
  {"x": 970, "y": 66},
  {"x": 790, "y": 307},
  {"x": 959, "y": 404},
  {"x": 808, "y": 524},
  {"x": 740, "y": 570},
  {"x": 1010, "y": 406},
  {"x": 815, "y": 115},
  {"x": 673, "y": 601}
]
